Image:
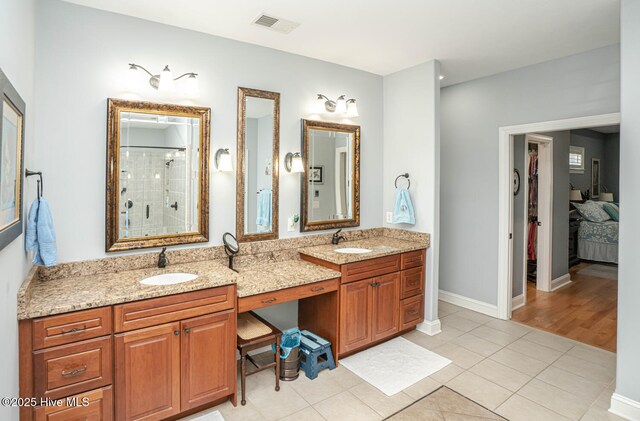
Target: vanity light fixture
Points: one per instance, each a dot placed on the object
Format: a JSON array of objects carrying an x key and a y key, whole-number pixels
[
  {"x": 293, "y": 162},
  {"x": 341, "y": 105},
  {"x": 165, "y": 82},
  {"x": 223, "y": 160}
]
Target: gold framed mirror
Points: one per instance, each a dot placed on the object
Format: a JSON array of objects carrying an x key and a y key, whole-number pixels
[
  {"x": 157, "y": 175},
  {"x": 330, "y": 196},
  {"x": 258, "y": 152}
]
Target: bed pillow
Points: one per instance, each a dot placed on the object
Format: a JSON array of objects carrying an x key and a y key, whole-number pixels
[
  {"x": 591, "y": 211},
  {"x": 612, "y": 211}
]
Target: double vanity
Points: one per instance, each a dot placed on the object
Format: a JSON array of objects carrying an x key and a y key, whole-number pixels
[
  {"x": 97, "y": 331},
  {"x": 148, "y": 337}
]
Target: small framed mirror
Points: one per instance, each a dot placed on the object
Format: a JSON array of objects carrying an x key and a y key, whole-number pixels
[
  {"x": 331, "y": 186},
  {"x": 157, "y": 175},
  {"x": 12, "y": 109},
  {"x": 258, "y": 151}
]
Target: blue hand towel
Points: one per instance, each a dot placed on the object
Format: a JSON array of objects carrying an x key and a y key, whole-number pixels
[
  {"x": 263, "y": 218},
  {"x": 41, "y": 236},
  {"x": 403, "y": 209}
]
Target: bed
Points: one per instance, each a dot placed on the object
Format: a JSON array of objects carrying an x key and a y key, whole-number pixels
[{"x": 598, "y": 241}]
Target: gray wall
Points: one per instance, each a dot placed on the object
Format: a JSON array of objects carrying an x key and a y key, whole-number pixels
[
  {"x": 611, "y": 162},
  {"x": 471, "y": 113},
  {"x": 519, "y": 200},
  {"x": 86, "y": 51},
  {"x": 594, "y": 147},
  {"x": 628, "y": 371},
  {"x": 17, "y": 47},
  {"x": 560, "y": 230},
  {"x": 412, "y": 145}
]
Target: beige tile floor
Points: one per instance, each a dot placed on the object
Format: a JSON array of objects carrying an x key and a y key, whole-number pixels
[{"x": 516, "y": 371}]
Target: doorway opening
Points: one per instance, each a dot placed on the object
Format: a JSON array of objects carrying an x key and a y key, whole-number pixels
[{"x": 549, "y": 244}]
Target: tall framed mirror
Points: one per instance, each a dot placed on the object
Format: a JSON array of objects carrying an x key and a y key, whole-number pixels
[
  {"x": 157, "y": 175},
  {"x": 258, "y": 152},
  {"x": 331, "y": 185}
]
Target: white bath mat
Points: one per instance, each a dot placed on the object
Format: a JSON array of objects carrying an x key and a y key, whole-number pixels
[
  {"x": 209, "y": 416},
  {"x": 394, "y": 365}
]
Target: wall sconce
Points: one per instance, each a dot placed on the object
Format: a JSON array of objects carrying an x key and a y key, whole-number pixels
[
  {"x": 293, "y": 162},
  {"x": 165, "y": 82},
  {"x": 346, "y": 107},
  {"x": 223, "y": 160}
]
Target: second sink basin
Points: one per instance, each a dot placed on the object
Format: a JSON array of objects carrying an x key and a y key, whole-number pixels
[
  {"x": 352, "y": 250},
  {"x": 168, "y": 279}
]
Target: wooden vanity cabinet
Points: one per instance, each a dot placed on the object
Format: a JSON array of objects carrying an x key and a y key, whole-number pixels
[
  {"x": 379, "y": 298},
  {"x": 168, "y": 355},
  {"x": 173, "y": 367}
]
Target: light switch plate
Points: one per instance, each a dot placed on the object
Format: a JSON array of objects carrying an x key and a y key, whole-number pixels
[
  {"x": 389, "y": 217},
  {"x": 291, "y": 226}
]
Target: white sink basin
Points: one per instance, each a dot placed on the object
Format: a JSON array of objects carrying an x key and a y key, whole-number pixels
[
  {"x": 352, "y": 250},
  {"x": 168, "y": 279}
]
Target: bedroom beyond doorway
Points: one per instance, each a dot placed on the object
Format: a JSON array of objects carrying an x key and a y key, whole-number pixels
[{"x": 576, "y": 244}]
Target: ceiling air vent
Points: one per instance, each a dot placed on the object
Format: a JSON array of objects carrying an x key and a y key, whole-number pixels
[{"x": 275, "y": 24}]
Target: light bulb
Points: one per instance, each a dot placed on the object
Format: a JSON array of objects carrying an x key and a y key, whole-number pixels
[
  {"x": 191, "y": 89},
  {"x": 166, "y": 81},
  {"x": 352, "y": 109},
  {"x": 319, "y": 107},
  {"x": 296, "y": 163},
  {"x": 224, "y": 162},
  {"x": 341, "y": 105}
]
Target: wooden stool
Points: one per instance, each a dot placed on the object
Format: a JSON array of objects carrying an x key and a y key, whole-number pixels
[{"x": 254, "y": 332}]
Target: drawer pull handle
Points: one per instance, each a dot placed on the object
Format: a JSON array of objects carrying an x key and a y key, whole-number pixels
[
  {"x": 74, "y": 372},
  {"x": 412, "y": 283},
  {"x": 187, "y": 330},
  {"x": 176, "y": 332},
  {"x": 74, "y": 330},
  {"x": 375, "y": 284},
  {"x": 413, "y": 313},
  {"x": 317, "y": 289},
  {"x": 270, "y": 300}
]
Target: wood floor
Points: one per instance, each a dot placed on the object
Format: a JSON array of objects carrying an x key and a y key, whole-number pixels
[{"x": 585, "y": 310}]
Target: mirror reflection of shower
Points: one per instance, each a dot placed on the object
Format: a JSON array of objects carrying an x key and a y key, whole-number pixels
[{"x": 158, "y": 178}]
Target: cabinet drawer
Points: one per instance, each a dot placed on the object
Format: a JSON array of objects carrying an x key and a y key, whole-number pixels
[
  {"x": 69, "y": 369},
  {"x": 172, "y": 308},
  {"x": 412, "y": 282},
  {"x": 370, "y": 268},
  {"x": 96, "y": 405},
  {"x": 413, "y": 259},
  {"x": 411, "y": 311},
  {"x": 276, "y": 297},
  {"x": 71, "y": 327}
]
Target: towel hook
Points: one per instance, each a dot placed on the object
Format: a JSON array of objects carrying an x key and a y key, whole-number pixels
[
  {"x": 28, "y": 173},
  {"x": 405, "y": 175}
]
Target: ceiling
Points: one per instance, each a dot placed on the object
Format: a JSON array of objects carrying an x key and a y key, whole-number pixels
[{"x": 472, "y": 38}]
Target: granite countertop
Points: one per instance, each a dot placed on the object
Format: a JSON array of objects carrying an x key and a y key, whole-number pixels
[
  {"x": 379, "y": 246},
  {"x": 269, "y": 277},
  {"x": 38, "y": 298}
]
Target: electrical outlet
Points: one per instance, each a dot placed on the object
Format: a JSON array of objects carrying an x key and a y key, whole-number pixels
[{"x": 389, "y": 217}]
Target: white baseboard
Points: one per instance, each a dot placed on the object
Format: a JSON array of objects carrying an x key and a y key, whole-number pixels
[
  {"x": 430, "y": 328},
  {"x": 560, "y": 282},
  {"x": 469, "y": 303},
  {"x": 517, "y": 302},
  {"x": 625, "y": 407}
]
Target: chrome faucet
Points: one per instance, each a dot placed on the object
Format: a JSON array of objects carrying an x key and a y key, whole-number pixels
[
  {"x": 162, "y": 259},
  {"x": 337, "y": 237}
]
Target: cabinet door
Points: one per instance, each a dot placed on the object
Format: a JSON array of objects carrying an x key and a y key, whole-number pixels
[
  {"x": 148, "y": 373},
  {"x": 208, "y": 358},
  {"x": 386, "y": 306},
  {"x": 355, "y": 315}
]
